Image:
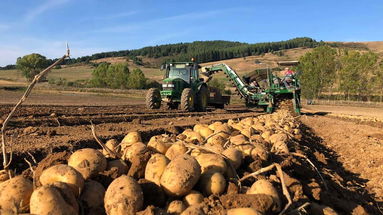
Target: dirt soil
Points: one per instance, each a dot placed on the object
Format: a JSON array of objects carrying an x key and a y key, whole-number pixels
[{"x": 357, "y": 147}]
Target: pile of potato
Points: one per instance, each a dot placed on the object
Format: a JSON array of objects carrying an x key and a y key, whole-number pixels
[{"x": 170, "y": 174}]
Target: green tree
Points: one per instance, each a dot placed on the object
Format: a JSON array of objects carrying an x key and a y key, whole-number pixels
[
  {"x": 318, "y": 71},
  {"x": 31, "y": 65},
  {"x": 111, "y": 75},
  {"x": 354, "y": 77},
  {"x": 117, "y": 76},
  {"x": 218, "y": 83},
  {"x": 99, "y": 75},
  {"x": 137, "y": 79}
]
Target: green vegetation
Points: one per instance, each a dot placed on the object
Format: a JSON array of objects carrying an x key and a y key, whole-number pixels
[
  {"x": 202, "y": 51},
  {"x": 341, "y": 74},
  {"x": 117, "y": 76},
  {"x": 31, "y": 65}
]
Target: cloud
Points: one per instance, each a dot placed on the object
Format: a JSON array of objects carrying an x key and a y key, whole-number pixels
[{"x": 47, "y": 5}]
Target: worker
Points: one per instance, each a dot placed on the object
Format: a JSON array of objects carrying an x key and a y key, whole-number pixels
[{"x": 288, "y": 77}]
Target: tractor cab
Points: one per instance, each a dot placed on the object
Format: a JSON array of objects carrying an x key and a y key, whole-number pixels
[{"x": 178, "y": 76}]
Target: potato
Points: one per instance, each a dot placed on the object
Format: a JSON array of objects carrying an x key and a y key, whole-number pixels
[
  {"x": 175, "y": 150},
  {"x": 193, "y": 198},
  {"x": 278, "y": 137},
  {"x": 67, "y": 194},
  {"x": 197, "y": 127},
  {"x": 120, "y": 165},
  {"x": 15, "y": 193},
  {"x": 237, "y": 127},
  {"x": 129, "y": 139},
  {"x": 192, "y": 136},
  {"x": 180, "y": 175},
  {"x": 123, "y": 196},
  {"x": 263, "y": 186},
  {"x": 238, "y": 139},
  {"x": 159, "y": 143},
  {"x": 212, "y": 183},
  {"x": 93, "y": 194},
  {"x": 214, "y": 125},
  {"x": 243, "y": 211},
  {"x": 89, "y": 162},
  {"x": 155, "y": 167},
  {"x": 222, "y": 130},
  {"x": 216, "y": 140},
  {"x": 215, "y": 148},
  {"x": 261, "y": 151},
  {"x": 134, "y": 150},
  {"x": 63, "y": 173},
  {"x": 266, "y": 135},
  {"x": 245, "y": 149},
  {"x": 211, "y": 163},
  {"x": 235, "y": 157},
  {"x": 3, "y": 176},
  {"x": 193, "y": 210},
  {"x": 259, "y": 127},
  {"x": 248, "y": 121},
  {"x": 176, "y": 207},
  {"x": 113, "y": 145},
  {"x": 280, "y": 147},
  {"x": 205, "y": 132},
  {"x": 48, "y": 199},
  {"x": 247, "y": 131}
]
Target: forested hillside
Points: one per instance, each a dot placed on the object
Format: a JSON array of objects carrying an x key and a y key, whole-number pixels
[{"x": 202, "y": 51}]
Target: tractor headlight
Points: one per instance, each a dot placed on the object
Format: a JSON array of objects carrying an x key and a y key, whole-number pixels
[{"x": 167, "y": 85}]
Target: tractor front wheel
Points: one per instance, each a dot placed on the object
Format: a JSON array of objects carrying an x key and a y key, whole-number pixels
[
  {"x": 153, "y": 98},
  {"x": 187, "y": 100},
  {"x": 202, "y": 98}
]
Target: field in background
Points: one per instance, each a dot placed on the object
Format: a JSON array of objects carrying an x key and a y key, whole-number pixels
[{"x": 12, "y": 82}]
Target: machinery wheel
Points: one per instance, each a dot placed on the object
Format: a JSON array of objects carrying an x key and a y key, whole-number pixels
[
  {"x": 187, "y": 100},
  {"x": 153, "y": 98},
  {"x": 202, "y": 99}
]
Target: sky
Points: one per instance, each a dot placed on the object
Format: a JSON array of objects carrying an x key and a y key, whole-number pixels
[{"x": 92, "y": 26}]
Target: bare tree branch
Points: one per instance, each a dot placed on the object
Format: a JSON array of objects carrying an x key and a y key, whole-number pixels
[{"x": 35, "y": 80}]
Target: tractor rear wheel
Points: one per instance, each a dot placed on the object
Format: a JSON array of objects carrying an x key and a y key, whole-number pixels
[
  {"x": 153, "y": 98},
  {"x": 187, "y": 100},
  {"x": 202, "y": 98}
]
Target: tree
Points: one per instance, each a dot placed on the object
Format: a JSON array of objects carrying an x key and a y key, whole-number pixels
[
  {"x": 318, "y": 71},
  {"x": 111, "y": 75},
  {"x": 354, "y": 77},
  {"x": 99, "y": 75},
  {"x": 31, "y": 65},
  {"x": 137, "y": 79},
  {"x": 117, "y": 76}
]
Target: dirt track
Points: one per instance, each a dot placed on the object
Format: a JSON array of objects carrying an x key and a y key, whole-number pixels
[{"x": 347, "y": 153}]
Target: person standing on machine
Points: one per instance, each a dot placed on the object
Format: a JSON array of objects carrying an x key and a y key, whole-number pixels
[{"x": 287, "y": 80}]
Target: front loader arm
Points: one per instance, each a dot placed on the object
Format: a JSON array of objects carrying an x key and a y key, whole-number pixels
[{"x": 242, "y": 88}]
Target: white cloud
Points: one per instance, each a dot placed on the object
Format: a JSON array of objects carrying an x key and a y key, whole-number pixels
[{"x": 47, "y": 5}]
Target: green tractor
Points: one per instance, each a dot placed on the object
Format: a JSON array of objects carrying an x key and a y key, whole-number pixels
[{"x": 182, "y": 87}]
